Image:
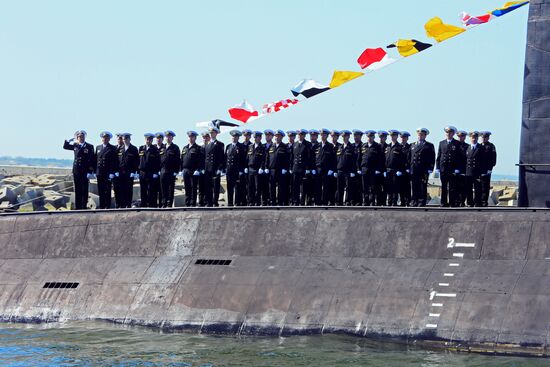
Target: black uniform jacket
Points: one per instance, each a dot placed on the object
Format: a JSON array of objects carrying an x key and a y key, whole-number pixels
[
  {"x": 256, "y": 156},
  {"x": 128, "y": 159},
  {"x": 301, "y": 156},
  {"x": 395, "y": 158},
  {"x": 489, "y": 156},
  {"x": 278, "y": 157},
  {"x": 149, "y": 159},
  {"x": 325, "y": 157},
  {"x": 107, "y": 161},
  {"x": 235, "y": 158},
  {"x": 84, "y": 157},
  {"x": 170, "y": 160},
  {"x": 346, "y": 158},
  {"x": 448, "y": 156},
  {"x": 462, "y": 157},
  {"x": 474, "y": 161},
  {"x": 214, "y": 156},
  {"x": 371, "y": 157},
  {"x": 192, "y": 157},
  {"x": 422, "y": 157}
]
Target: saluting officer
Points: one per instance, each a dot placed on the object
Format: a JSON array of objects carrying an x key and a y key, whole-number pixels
[
  {"x": 381, "y": 200},
  {"x": 405, "y": 184},
  {"x": 107, "y": 165},
  {"x": 370, "y": 164},
  {"x": 255, "y": 169},
  {"x": 447, "y": 165},
  {"x": 214, "y": 163},
  {"x": 149, "y": 167},
  {"x": 474, "y": 169},
  {"x": 265, "y": 179},
  {"x": 278, "y": 163},
  {"x": 235, "y": 157},
  {"x": 84, "y": 165},
  {"x": 395, "y": 166},
  {"x": 325, "y": 163},
  {"x": 192, "y": 163},
  {"x": 489, "y": 162},
  {"x": 461, "y": 189},
  {"x": 346, "y": 168},
  {"x": 128, "y": 164},
  {"x": 159, "y": 143},
  {"x": 202, "y": 178},
  {"x": 333, "y": 182},
  {"x": 356, "y": 185},
  {"x": 313, "y": 181},
  {"x": 170, "y": 162},
  {"x": 301, "y": 167},
  {"x": 422, "y": 165}
]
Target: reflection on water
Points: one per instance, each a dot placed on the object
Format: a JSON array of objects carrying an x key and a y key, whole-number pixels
[{"x": 93, "y": 344}]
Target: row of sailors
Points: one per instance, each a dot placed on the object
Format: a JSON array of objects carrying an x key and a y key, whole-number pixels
[{"x": 318, "y": 171}]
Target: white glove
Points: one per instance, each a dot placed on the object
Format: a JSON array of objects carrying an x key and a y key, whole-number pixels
[
  {"x": 155, "y": 175},
  {"x": 489, "y": 172},
  {"x": 430, "y": 171},
  {"x": 70, "y": 140},
  {"x": 266, "y": 171},
  {"x": 457, "y": 171},
  {"x": 111, "y": 176},
  {"x": 176, "y": 174},
  {"x": 136, "y": 176},
  {"x": 260, "y": 171},
  {"x": 196, "y": 173},
  {"x": 352, "y": 175},
  {"x": 359, "y": 173},
  {"x": 408, "y": 170},
  {"x": 313, "y": 172},
  {"x": 284, "y": 171},
  {"x": 437, "y": 171},
  {"x": 241, "y": 173},
  {"x": 290, "y": 171},
  {"x": 308, "y": 172},
  {"x": 202, "y": 172},
  {"x": 330, "y": 173},
  {"x": 399, "y": 173},
  {"x": 246, "y": 170},
  {"x": 385, "y": 174},
  {"x": 89, "y": 176},
  {"x": 117, "y": 174},
  {"x": 218, "y": 173},
  {"x": 376, "y": 172}
]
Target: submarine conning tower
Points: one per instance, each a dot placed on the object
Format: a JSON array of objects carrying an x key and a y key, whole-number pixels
[{"x": 534, "y": 164}]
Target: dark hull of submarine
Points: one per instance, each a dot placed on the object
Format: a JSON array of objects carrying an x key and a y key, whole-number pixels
[{"x": 476, "y": 280}]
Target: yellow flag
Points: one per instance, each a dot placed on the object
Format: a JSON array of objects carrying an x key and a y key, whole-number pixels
[
  {"x": 342, "y": 77},
  {"x": 435, "y": 28},
  {"x": 409, "y": 47}
]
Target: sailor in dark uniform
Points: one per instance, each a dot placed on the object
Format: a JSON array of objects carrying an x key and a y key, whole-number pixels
[
  {"x": 159, "y": 144},
  {"x": 313, "y": 181},
  {"x": 346, "y": 168},
  {"x": 333, "y": 181},
  {"x": 489, "y": 162},
  {"x": 278, "y": 163},
  {"x": 213, "y": 167},
  {"x": 243, "y": 185},
  {"x": 381, "y": 200},
  {"x": 170, "y": 163},
  {"x": 149, "y": 167},
  {"x": 264, "y": 180},
  {"x": 447, "y": 165},
  {"x": 370, "y": 163},
  {"x": 116, "y": 179},
  {"x": 235, "y": 158},
  {"x": 128, "y": 165},
  {"x": 107, "y": 165},
  {"x": 356, "y": 185},
  {"x": 405, "y": 184},
  {"x": 291, "y": 135},
  {"x": 395, "y": 166},
  {"x": 255, "y": 164},
  {"x": 202, "y": 178},
  {"x": 301, "y": 167},
  {"x": 461, "y": 188},
  {"x": 421, "y": 166},
  {"x": 474, "y": 167},
  {"x": 192, "y": 163},
  {"x": 325, "y": 165},
  {"x": 84, "y": 166}
]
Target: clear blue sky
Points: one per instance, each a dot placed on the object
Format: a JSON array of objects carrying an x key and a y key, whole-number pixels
[{"x": 142, "y": 66}]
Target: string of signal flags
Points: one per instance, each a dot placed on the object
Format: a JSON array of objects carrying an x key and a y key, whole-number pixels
[{"x": 370, "y": 60}]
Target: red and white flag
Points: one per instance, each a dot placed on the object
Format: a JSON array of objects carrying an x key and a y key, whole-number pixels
[
  {"x": 279, "y": 105},
  {"x": 374, "y": 59},
  {"x": 243, "y": 112},
  {"x": 469, "y": 20}
]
